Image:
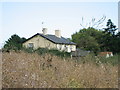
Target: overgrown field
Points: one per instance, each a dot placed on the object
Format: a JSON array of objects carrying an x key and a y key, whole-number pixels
[{"x": 30, "y": 70}]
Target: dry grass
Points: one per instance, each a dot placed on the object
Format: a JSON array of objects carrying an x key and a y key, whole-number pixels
[{"x": 24, "y": 70}]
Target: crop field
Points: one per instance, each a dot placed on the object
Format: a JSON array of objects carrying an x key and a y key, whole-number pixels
[{"x": 30, "y": 70}]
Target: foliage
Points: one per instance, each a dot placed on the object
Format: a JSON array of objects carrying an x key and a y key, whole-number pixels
[
  {"x": 111, "y": 28},
  {"x": 111, "y": 40},
  {"x": 41, "y": 51},
  {"x": 98, "y": 40},
  {"x": 111, "y": 60},
  {"x": 99, "y": 59},
  {"x": 87, "y": 39},
  {"x": 59, "y": 53},
  {"x": 28, "y": 50},
  {"x": 14, "y": 43}
]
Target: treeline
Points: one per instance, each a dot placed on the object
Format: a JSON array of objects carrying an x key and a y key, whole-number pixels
[{"x": 98, "y": 40}]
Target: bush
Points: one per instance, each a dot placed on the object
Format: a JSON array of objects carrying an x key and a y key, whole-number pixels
[
  {"x": 42, "y": 51},
  {"x": 28, "y": 50},
  {"x": 111, "y": 60},
  {"x": 98, "y": 60},
  {"x": 59, "y": 53}
]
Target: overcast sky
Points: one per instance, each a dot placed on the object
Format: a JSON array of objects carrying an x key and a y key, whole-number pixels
[{"x": 25, "y": 18}]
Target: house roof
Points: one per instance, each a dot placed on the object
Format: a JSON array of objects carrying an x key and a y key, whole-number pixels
[{"x": 54, "y": 39}]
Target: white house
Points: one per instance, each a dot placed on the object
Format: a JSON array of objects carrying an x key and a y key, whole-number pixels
[{"x": 44, "y": 40}]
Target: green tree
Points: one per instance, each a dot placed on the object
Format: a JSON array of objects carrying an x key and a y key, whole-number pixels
[
  {"x": 14, "y": 43},
  {"x": 110, "y": 38},
  {"x": 111, "y": 28},
  {"x": 88, "y": 39},
  {"x": 98, "y": 40}
]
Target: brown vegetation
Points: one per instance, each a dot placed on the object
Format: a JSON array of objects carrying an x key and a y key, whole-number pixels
[{"x": 25, "y": 70}]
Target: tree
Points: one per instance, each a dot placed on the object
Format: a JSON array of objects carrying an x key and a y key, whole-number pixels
[
  {"x": 97, "y": 40},
  {"x": 110, "y": 39},
  {"x": 93, "y": 23},
  {"x": 88, "y": 39},
  {"x": 14, "y": 43},
  {"x": 111, "y": 28}
]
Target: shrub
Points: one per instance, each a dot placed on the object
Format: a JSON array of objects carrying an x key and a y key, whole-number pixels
[
  {"x": 28, "y": 50},
  {"x": 97, "y": 59},
  {"x": 59, "y": 53},
  {"x": 42, "y": 51},
  {"x": 111, "y": 60}
]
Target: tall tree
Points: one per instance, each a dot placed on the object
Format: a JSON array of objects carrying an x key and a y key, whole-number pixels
[
  {"x": 110, "y": 40},
  {"x": 111, "y": 28},
  {"x": 14, "y": 43}
]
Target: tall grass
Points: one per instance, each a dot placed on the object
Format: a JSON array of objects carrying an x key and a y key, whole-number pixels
[
  {"x": 90, "y": 57},
  {"x": 26, "y": 70}
]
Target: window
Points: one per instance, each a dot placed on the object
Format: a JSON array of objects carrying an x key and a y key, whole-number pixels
[{"x": 30, "y": 45}]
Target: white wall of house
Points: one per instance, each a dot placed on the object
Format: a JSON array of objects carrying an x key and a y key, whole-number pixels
[
  {"x": 64, "y": 47},
  {"x": 39, "y": 41},
  {"x": 73, "y": 47}
]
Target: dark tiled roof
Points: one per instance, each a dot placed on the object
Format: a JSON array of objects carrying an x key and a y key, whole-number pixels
[{"x": 54, "y": 39}]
